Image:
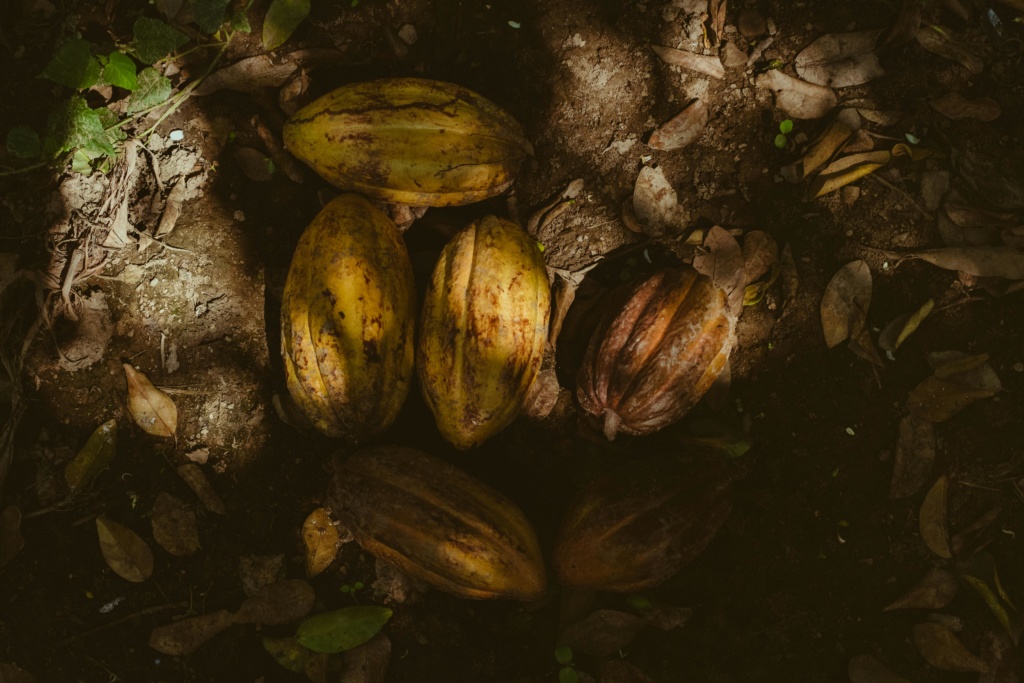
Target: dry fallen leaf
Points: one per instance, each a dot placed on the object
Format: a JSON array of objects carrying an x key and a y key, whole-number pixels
[
  {"x": 367, "y": 663},
  {"x": 543, "y": 393},
  {"x": 174, "y": 526},
  {"x": 321, "y": 539},
  {"x": 263, "y": 71},
  {"x": 935, "y": 590},
  {"x": 601, "y": 633},
  {"x": 760, "y": 253},
  {"x": 723, "y": 263},
  {"x": 932, "y": 519},
  {"x": 848, "y": 289},
  {"x": 973, "y": 535},
  {"x": 957, "y": 107},
  {"x": 896, "y": 332},
  {"x": 999, "y": 652},
  {"x": 905, "y": 26},
  {"x": 655, "y": 203},
  {"x": 942, "y": 649},
  {"x": 256, "y": 165},
  {"x": 278, "y": 603},
  {"x": 867, "y": 669},
  {"x": 95, "y": 456},
  {"x": 152, "y": 409},
  {"x": 977, "y": 261},
  {"x": 832, "y": 139},
  {"x": 846, "y": 170},
  {"x": 915, "y": 456},
  {"x": 186, "y": 636},
  {"x": 799, "y": 99},
  {"x": 259, "y": 571},
  {"x": 937, "y": 399},
  {"x": 705, "y": 64},
  {"x": 200, "y": 485},
  {"x": 938, "y": 40},
  {"x": 838, "y": 60},
  {"x": 125, "y": 553},
  {"x": 682, "y": 129},
  {"x": 11, "y": 540}
]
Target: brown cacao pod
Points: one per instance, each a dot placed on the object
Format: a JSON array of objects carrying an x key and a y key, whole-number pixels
[
  {"x": 347, "y": 319},
  {"x": 410, "y": 141},
  {"x": 438, "y": 524},
  {"x": 640, "y": 524},
  {"x": 650, "y": 362},
  {"x": 482, "y": 334}
]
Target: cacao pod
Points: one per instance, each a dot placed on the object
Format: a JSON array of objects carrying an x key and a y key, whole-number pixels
[
  {"x": 640, "y": 524},
  {"x": 347, "y": 319},
  {"x": 647, "y": 364},
  {"x": 438, "y": 524},
  {"x": 409, "y": 141},
  {"x": 482, "y": 334}
]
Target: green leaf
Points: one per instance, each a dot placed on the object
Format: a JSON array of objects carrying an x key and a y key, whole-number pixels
[
  {"x": 81, "y": 163},
  {"x": 563, "y": 654},
  {"x": 567, "y": 674},
  {"x": 76, "y": 126},
  {"x": 120, "y": 71},
  {"x": 153, "y": 89},
  {"x": 108, "y": 119},
  {"x": 786, "y": 127},
  {"x": 74, "y": 65},
  {"x": 342, "y": 629},
  {"x": 155, "y": 39},
  {"x": 95, "y": 456},
  {"x": 780, "y": 141},
  {"x": 240, "y": 22},
  {"x": 288, "y": 653},
  {"x": 23, "y": 142},
  {"x": 283, "y": 17},
  {"x": 209, "y": 14}
]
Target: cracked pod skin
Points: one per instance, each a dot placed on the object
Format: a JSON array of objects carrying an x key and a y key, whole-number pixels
[
  {"x": 347, "y": 320},
  {"x": 650, "y": 362},
  {"x": 438, "y": 524},
  {"x": 409, "y": 141},
  {"x": 482, "y": 333},
  {"x": 642, "y": 523}
]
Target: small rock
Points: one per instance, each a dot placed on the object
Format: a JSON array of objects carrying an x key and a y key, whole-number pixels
[
  {"x": 752, "y": 24},
  {"x": 733, "y": 57}
]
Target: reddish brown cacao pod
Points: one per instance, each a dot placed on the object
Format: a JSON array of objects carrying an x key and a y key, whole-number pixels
[{"x": 650, "y": 362}]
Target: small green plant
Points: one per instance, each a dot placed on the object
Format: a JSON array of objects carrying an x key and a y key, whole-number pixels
[
  {"x": 352, "y": 589},
  {"x": 567, "y": 672},
  {"x": 785, "y": 128}
]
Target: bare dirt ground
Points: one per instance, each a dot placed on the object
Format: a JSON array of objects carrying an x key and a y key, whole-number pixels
[{"x": 792, "y": 588}]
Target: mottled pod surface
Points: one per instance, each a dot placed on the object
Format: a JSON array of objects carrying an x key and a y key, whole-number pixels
[
  {"x": 637, "y": 526},
  {"x": 650, "y": 362},
  {"x": 438, "y": 524},
  {"x": 410, "y": 141},
  {"x": 347, "y": 320},
  {"x": 485, "y": 319}
]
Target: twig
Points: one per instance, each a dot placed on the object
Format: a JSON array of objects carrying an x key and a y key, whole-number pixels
[{"x": 118, "y": 622}]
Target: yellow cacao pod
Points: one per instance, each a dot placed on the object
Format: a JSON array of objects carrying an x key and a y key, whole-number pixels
[
  {"x": 438, "y": 524},
  {"x": 347, "y": 320},
  {"x": 485, "y": 320},
  {"x": 409, "y": 141},
  {"x": 650, "y": 362}
]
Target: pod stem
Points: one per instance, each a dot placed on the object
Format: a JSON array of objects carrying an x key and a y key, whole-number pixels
[{"x": 612, "y": 421}]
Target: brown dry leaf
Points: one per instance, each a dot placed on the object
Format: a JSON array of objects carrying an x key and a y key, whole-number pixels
[
  {"x": 848, "y": 292},
  {"x": 201, "y": 486},
  {"x": 543, "y": 393},
  {"x": 860, "y": 334},
  {"x": 896, "y": 332},
  {"x": 905, "y": 26},
  {"x": 11, "y": 540},
  {"x": 942, "y": 649},
  {"x": 977, "y": 261},
  {"x": 716, "y": 21},
  {"x": 273, "y": 144},
  {"x": 174, "y": 526},
  {"x": 172, "y": 208},
  {"x": 264, "y": 71},
  {"x": 915, "y": 456},
  {"x": 798, "y": 99},
  {"x": 621, "y": 671},
  {"x": 937, "y": 399},
  {"x": 294, "y": 94},
  {"x": 260, "y": 571},
  {"x": 838, "y": 60},
  {"x": 152, "y": 409},
  {"x": 256, "y": 165},
  {"x": 723, "y": 263},
  {"x": 125, "y": 552},
  {"x": 882, "y": 117},
  {"x": 938, "y": 40},
  {"x": 932, "y": 519},
  {"x": 867, "y": 669},
  {"x": 832, "y": 139},
  {"x": 655, "y": 203},
  {"x": 367, "y": 663},
  {"x": 705, "y": 64},
  {"x": 957, "y": 107},
  {"x": 970, "y": 536},
  {"x": 321, "y": 538},
  {"x": 861, "y": 141},
  {"x": 603, "y": 632},
  {"x": 999, "y": 652},
  {"x": 935, "y": 590},
  {"x": 9, "y": 673},
  {"x": 682, "y": 129},
  {"x": 846, "y": 170},
  {"x": 965, "y": 368},
  {"x": 760, "y": 253},
  {"x": 967, "y": 216},
  {"x": 95, "y": 456},
  {"x": 278, "y": 603},
  {"x": 186, "y": 636}
]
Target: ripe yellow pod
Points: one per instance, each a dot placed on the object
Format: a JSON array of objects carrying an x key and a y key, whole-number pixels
[
  {"x": 485, "y": 320},
  {"x": 410, "y": 141},
  {"x": 347, "y": 320}
]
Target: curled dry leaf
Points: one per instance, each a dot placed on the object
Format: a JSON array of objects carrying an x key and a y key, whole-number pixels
[
  {"x": 201, "y": 486},
  {"x": 655, "y": 203},
  {"x": 186, "y": 636},
  {"x": 174, "y": 526},
  {"x": 279, "y": 603},
  {"x": 867, "y": 669},
  {"x": 896, "y": 332},
  {"x": 367, "y": 663},
  {"x": 256, "y": 165},
  {"x": 846, "y": 170},
  {"x": 172, "y": 208},
  {"x": 760, "y": 253},
  {"x": 722, "y": 261},
  {"x": 848, "y": 291},
  {"x": 321, "y": 538},
  {"x": 838, "y": 60},
  {"x": 957, "y": 107},
  {"x": 938, "y": 40},
  {"x": 602, "y": 633},
  {"x": 152, "y": 409},
  {"x": 832, "y": 139},
  {"x": 937, "y": 399},
  {"x": 977, "y": 261},
  {"x": 125, "y": 552},
  {"x": 705, "y": 64},
  {"x": 264, "y": 71},
  {"x": 915, "y": 456},
  {"x": 95, "y": 456},
  {"x": 932, "y": 519},
  {"x": 543, "y": 393},
  {"x": 682, "y": 129},
  {"x": 935, "y": 590},
  {"x": 942, "y": 649},
  {"x": 11, "y": 540},
  {"x": 798, "y": 99}
]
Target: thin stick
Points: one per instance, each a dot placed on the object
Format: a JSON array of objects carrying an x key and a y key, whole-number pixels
[{"x": 117, "y": 622}]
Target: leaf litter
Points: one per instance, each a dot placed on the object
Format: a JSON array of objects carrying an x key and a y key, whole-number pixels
[
  {"x": 279, "y": 603},
  {"x": 932, "y": 519},
  {"x": 367, "y": 663},
  {"x": 95, "y": 456},
  {"x": 152, "y": 409},
  {"x": 915, "y": 457},
  {"x": 897, "y": 331},
  {"x": 124, "y": 551},
  {"x": 682, "y": 129},
  {"x": 942, "y": 649},
  {"x": 186, "y": 636},
  {"x": 175, "y": 527},
  {"x": 957, "y": 107},
  {"x": 959, "y": 381},
  {"x": 602, "y": 633},
  {"x": 705, "y": 64},
  {"x": 322, "y": 540},
  {"x": 934, "y": 590},
  {"x": 867, "y": 669},
  {"x": 839, "y": 60},
  {"x": 200, "y": 485},
  {"x": 847, "y": 297},
  {"x": 342, "y": 629},
  {"x": 796, "y": 98},
  {"x": 722, "y": 261}
]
